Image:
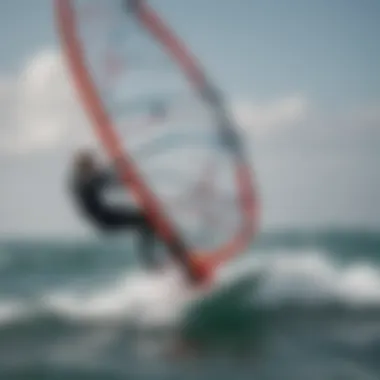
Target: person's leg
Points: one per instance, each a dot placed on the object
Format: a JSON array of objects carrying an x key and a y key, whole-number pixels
[
  {"x": 122, "y": 219},
  {"x": 147, "y": 245}
]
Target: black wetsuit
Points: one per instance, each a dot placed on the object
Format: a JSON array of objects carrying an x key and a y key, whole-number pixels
[{"x": 89, "y": 191}]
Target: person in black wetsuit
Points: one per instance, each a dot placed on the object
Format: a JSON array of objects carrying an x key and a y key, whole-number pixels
[{"x": 88, "y": 185}]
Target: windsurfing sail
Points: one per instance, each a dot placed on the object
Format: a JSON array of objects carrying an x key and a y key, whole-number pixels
[{"x": 164, "y": 124}]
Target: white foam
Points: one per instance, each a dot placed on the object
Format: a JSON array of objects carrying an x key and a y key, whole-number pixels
[
  {"x": 147, "y": 299},
  {"x": 142, "y": 298},
  {"x": 314, "y": 276}
]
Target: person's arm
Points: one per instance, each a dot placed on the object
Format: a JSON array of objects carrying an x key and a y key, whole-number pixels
[{"x": 111, "y": 177}]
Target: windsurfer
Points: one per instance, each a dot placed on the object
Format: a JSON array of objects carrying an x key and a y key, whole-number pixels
[{"x": 88, "y": 185}]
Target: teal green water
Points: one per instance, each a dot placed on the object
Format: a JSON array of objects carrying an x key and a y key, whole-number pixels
[{"x": 299, "y": 305}]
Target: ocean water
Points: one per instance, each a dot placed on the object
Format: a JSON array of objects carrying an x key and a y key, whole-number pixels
[{"x": 298, "y": 305}]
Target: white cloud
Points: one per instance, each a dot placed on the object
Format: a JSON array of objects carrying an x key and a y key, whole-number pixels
[
  {"x": 39, "y": 108},
  {"x": 267, "y": 117},
  {"x": 40, "y": 111}
]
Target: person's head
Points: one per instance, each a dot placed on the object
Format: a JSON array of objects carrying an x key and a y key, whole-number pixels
[{"x": 85, "y": 162}]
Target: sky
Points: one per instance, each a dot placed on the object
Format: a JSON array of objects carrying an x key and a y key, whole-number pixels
[{"x": 302, "y": 78}]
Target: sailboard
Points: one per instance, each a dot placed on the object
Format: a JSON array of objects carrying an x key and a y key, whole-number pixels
[{"x": 165, "y": 125}]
